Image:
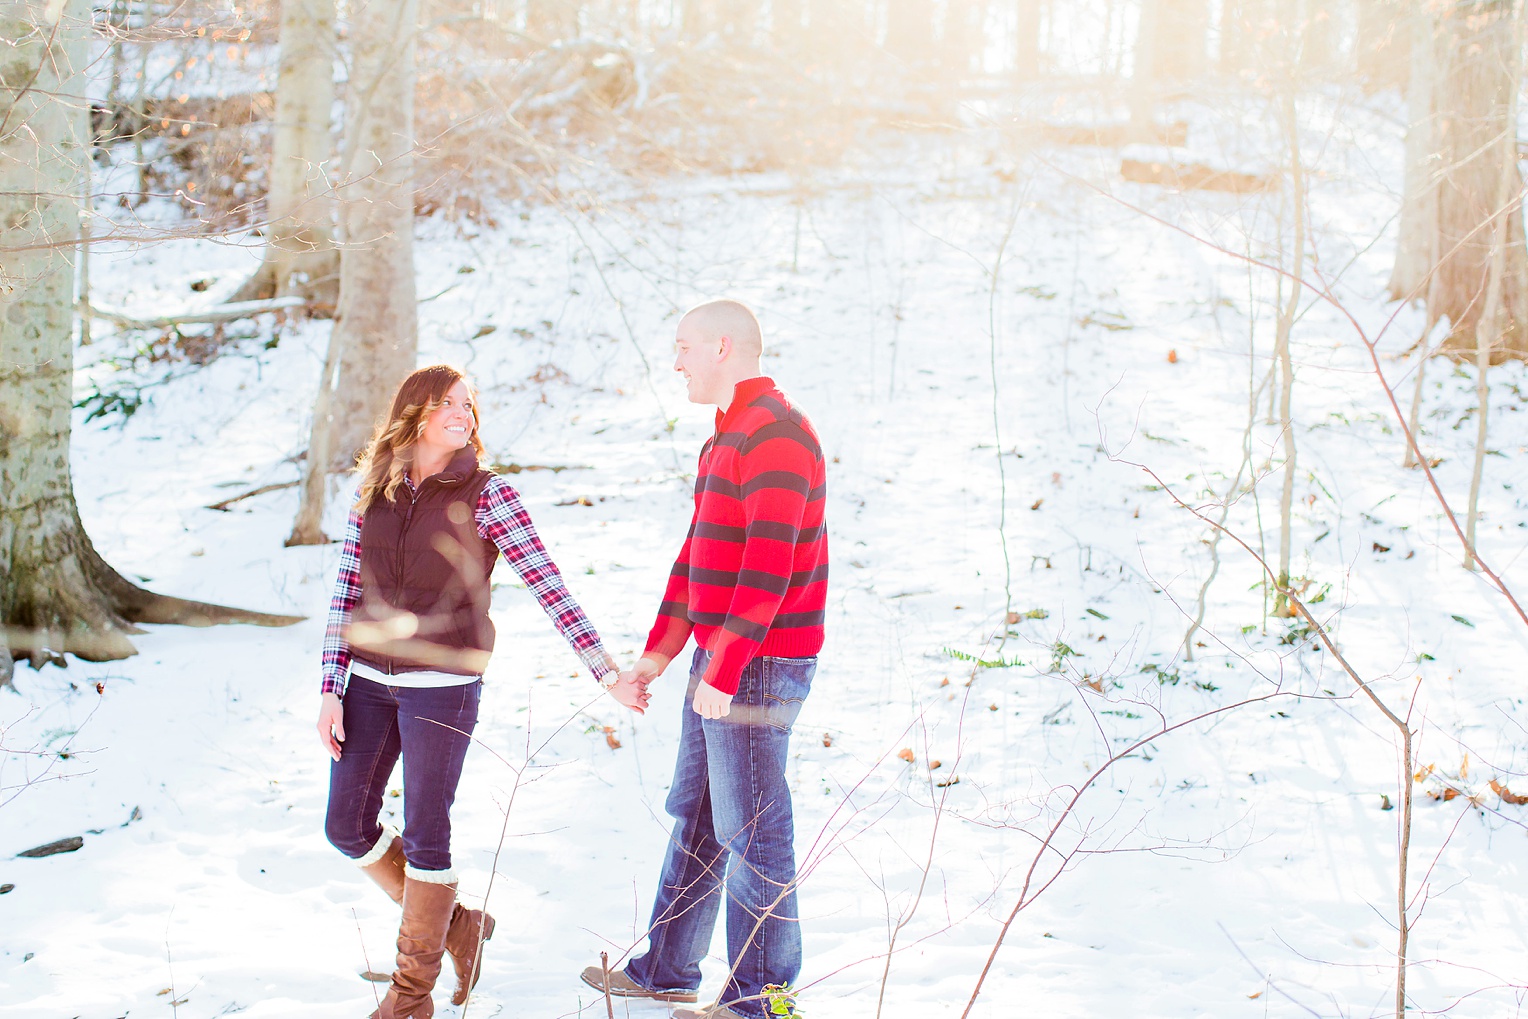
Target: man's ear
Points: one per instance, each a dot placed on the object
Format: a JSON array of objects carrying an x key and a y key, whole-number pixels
[{"x": 724, "y": 349}]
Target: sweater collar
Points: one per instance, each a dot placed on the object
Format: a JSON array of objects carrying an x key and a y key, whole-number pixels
[{"x": 743, "y": 394}]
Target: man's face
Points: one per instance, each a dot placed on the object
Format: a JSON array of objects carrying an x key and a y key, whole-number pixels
[{"x": 700, "y": 360}]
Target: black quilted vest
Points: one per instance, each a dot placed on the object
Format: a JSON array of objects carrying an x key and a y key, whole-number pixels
[{"x": 424, "y": 577}]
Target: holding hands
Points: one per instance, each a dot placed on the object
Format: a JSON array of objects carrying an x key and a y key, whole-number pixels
[{"x": 630, "y": 689}]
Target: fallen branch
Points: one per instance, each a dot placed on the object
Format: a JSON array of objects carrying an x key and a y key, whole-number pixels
[
  {"x": 277, "y": 487},
  {"x": 1195, "y": 177},
  {"x": 218, "y": 313}
]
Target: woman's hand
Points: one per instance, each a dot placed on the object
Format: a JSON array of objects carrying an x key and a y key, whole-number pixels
[
  {"x": 331, "y": 724},
  {"x": 630, "y": 689}
]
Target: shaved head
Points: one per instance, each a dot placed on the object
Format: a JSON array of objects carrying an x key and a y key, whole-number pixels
[
  {"x": 717, "y": 345},
  {"x": 732, "y": 320}
]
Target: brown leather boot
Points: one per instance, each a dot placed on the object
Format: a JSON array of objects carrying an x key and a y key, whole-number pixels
[
  {"x": 469, "y": 927},
  {"x": 386, "y": 867},
  {"x": 421, "y": 946}
]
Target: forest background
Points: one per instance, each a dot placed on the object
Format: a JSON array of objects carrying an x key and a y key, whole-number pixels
[{"x": 1168, "y": 355}]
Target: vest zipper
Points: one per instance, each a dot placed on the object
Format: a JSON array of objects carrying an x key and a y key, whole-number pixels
[{"x": 403, "y": 533}]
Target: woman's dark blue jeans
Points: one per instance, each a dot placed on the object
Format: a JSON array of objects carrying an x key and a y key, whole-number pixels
[
  {"x": 431, "y": 728},
  {"x": 732, "y": 817}
]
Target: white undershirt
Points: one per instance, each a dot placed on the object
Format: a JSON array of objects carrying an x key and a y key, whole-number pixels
[{"x": 413, "y": 680}]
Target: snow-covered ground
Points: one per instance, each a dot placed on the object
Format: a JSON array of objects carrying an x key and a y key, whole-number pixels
[{"x": 1241, "y": 865}]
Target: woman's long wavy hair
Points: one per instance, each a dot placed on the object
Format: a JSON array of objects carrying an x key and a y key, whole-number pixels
[{"x": 391, "y": 450}]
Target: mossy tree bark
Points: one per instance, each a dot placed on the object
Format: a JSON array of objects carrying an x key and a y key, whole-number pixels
[{"x": 57, "y": 595}]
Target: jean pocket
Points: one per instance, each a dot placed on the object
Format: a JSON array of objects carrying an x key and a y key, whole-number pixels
[{"x": 787, "y": 681}]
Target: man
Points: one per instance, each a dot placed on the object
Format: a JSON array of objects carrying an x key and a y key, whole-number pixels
[{"x": 750, "y": 584}]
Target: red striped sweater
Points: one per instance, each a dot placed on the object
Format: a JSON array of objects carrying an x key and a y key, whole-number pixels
[{"x": 752, "y": 577}]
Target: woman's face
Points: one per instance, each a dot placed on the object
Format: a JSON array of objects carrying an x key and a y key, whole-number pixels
[{"x": 449, "y": 426}]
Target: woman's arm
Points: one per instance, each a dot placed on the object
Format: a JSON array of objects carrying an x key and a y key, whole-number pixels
[
  {"x": 502, "y": 519},
  {"x": 347, "y": 592}
]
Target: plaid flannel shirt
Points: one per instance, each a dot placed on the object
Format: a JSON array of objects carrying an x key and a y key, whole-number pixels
[{"x": 501, "y": 519}]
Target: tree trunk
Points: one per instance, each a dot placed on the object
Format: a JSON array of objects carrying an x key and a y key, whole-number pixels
[
  {"x": 1318, "y": 33},
  {"x": 1476, "y": 83},
  {"x": 910, "y": 30},
  {"x": 963, "y": 36},
  {"x": 1169, "y": 49},
  {"x": 375, "y": 338},
  {"x": 1027, "y": 49},
  {"x": 1490, "y": 328},
  {"x": 57, "y": 595},
  {"x": 1285, "y": 329},
  {"x": 1384, "y": 43},
  {"x": 1170, "y": 43},
  {"x": 1416, "y": 249},
  {"x": 301, "y": 256}
]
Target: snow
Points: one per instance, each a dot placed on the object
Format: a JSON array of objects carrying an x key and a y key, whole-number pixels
[{"x": 1240, "y": 865}]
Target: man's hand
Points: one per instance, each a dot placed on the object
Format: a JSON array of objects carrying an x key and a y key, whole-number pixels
[
  {"x": 630, "y": 689},
  {"x": 331, "y": 724},
  {"x": 711, "y": 702}
]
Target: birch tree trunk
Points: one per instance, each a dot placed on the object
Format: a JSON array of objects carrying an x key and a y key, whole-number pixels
[
  {"x": 1285, "y": 329},
  {"x": 1490, "y": 330},
  {"x": 1416, "y": 250},
  {"x": 57, "y": 595},
  {"x": 301, "y": 255},
  {"x": 375, "y": 338},
  {"x": 1026, "y": 54},
  {"x": 1476, "y": 80}
]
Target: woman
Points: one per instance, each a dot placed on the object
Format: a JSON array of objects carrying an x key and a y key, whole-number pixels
[{"x": 408, "y": 638}]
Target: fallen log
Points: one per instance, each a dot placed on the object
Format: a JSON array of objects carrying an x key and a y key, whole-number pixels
[
  {"x": 217, "y": 313},
  {"x": 1195, "y": 177}
]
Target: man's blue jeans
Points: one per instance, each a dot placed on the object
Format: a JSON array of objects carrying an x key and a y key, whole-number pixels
[
  {"x": 732, "y": 816},
  {"x": 431, "y": 728}
]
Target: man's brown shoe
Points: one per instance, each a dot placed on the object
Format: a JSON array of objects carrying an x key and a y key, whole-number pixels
[{"x": 623, "y": 986}]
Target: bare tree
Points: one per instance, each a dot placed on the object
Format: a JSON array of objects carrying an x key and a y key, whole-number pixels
[
  {"x": 1026, "y": 54},
  {"x": 1383, "y": 43},
  {"x": 1169, "y": 49},
  {"x": 1471, "y": 93},
  {"x": 301, "y": 257},
  {"x": 1416, "y": 251},
  {"x": 910, "y": 30},
  {"x": 1492, "y": 326},
  {"x": 57, "y": 595},
  {"x": 1171, "y": 44},
  {"x": 376, "y": 331}
]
